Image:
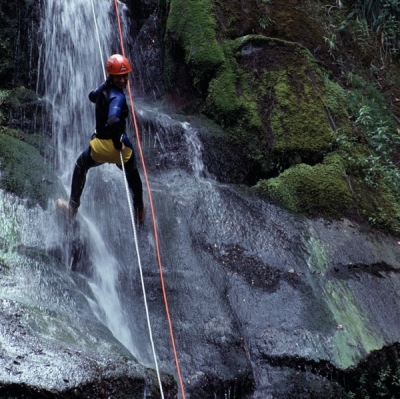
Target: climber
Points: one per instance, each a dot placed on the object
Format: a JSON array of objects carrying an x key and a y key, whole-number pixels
[{"x": 108, "y": 139}]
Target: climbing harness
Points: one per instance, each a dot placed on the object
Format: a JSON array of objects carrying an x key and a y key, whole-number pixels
[{"x": 158, "y": 253}]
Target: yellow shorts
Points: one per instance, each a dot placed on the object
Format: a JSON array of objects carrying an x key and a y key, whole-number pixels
[{"x": 103, "y": 151}]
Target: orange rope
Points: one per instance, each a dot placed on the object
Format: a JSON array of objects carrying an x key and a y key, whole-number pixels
[{"x": 152, "y": 215}]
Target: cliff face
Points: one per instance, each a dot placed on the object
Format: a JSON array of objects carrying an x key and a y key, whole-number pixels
[{"x": 296, "y": 105}]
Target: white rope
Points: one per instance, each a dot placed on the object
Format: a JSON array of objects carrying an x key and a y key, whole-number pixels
[
  {"x": 98, "y": 39},
  {"x": 134, "y": 232},
  {"x": 141, "y": 274}
]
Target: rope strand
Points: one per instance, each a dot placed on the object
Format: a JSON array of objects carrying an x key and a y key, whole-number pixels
[
  {"x": 157, "y": 246},
  {"x": 133, "y": 223},
  {"x": 141, "y": 273},
  {"x": 98, "y": 38}
]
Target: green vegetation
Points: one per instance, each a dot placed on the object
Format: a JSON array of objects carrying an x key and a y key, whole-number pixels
[
  {"x": 380, "y": 379},
  {"x": 24, "y": 172},
  {"x": 298, "y": 120},
  {"x": 368, "y": 156},
  {"x": 18, "y": 96},
  {"x": 383, "y": 18},
  {"x": 21, "y": 101},
  {"x": 312, "y": 190}
]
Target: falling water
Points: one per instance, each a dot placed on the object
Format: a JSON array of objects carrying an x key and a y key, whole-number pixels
[
  {"x": 195, "y": 149},
  {"x": 71, "y": 66}
]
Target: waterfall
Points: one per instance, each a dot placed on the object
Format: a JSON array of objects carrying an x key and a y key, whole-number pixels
[
  {"x": 70, "y": 67},
  {"x": 195, "y": 150}
]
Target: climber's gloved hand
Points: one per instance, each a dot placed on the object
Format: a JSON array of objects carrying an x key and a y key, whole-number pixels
[
  {"x": 122, "y": 143},
  {"x": 126, "y": 142}
]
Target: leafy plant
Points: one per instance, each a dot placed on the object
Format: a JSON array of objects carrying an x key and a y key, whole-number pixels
[
  {"x": 331, "y": 42},
  {"x": 368, "y": 153},
  {"x": 383, "y": 18},
  {"x": 382, "y": 381},
  {"x": 264, "y": 20}
]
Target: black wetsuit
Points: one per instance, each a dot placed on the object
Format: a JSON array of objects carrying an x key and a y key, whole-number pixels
[{"x": 111, "y": 114}]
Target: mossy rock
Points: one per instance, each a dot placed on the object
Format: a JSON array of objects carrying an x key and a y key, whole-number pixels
[
  {"x": 223, "y": 102},
  {"x": 298, "y": 122},
  {"x": 313, "y": 190},
  {"x": 25, "y": 173},
  {"x": 276, "y": 105},
  {"x": 195, "y": 33},
  {"x": 291, "y": 94},
  {"x": 35, "y": 140}
]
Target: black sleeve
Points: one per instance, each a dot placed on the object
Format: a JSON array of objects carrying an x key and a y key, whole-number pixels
[
  {"x": 92, "y": 96},
  {"x": 113, "y": 127}
]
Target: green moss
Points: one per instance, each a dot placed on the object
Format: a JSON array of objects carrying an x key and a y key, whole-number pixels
[
  {"x": 35, "y": 140},
  {"x": 297, "y": 108},
  {"x": 356, "y": 337},
  {"x": 298, "y": 121},
  {"x": 312, "y": 189},
  {"x": 232, "y": 103},
  {"x": 336, "y": 105},
  {"x": 281, "y": 112},
  {"x": 24, "y": 172},
  {"x": 222, "y": 101},
  {"x": 193, "y": 25},
  {"x": 285, "y": 114}
]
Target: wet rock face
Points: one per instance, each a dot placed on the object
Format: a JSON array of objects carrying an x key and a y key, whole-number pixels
[
  {"x": 148, "y": 78},
  {"x": 34, "y": 366},
  {"x": 52, "y": 345}
]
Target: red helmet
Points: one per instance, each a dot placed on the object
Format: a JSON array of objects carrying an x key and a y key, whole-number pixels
[{"x": 117, "y": 64}]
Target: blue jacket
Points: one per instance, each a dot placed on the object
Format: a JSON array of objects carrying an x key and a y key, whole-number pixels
[{"x": 111, "y": 112}]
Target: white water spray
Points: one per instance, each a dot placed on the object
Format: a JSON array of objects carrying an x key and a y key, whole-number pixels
[
  {"x": 108, "y": 307},
  {"x": 195, "y": 149}
]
